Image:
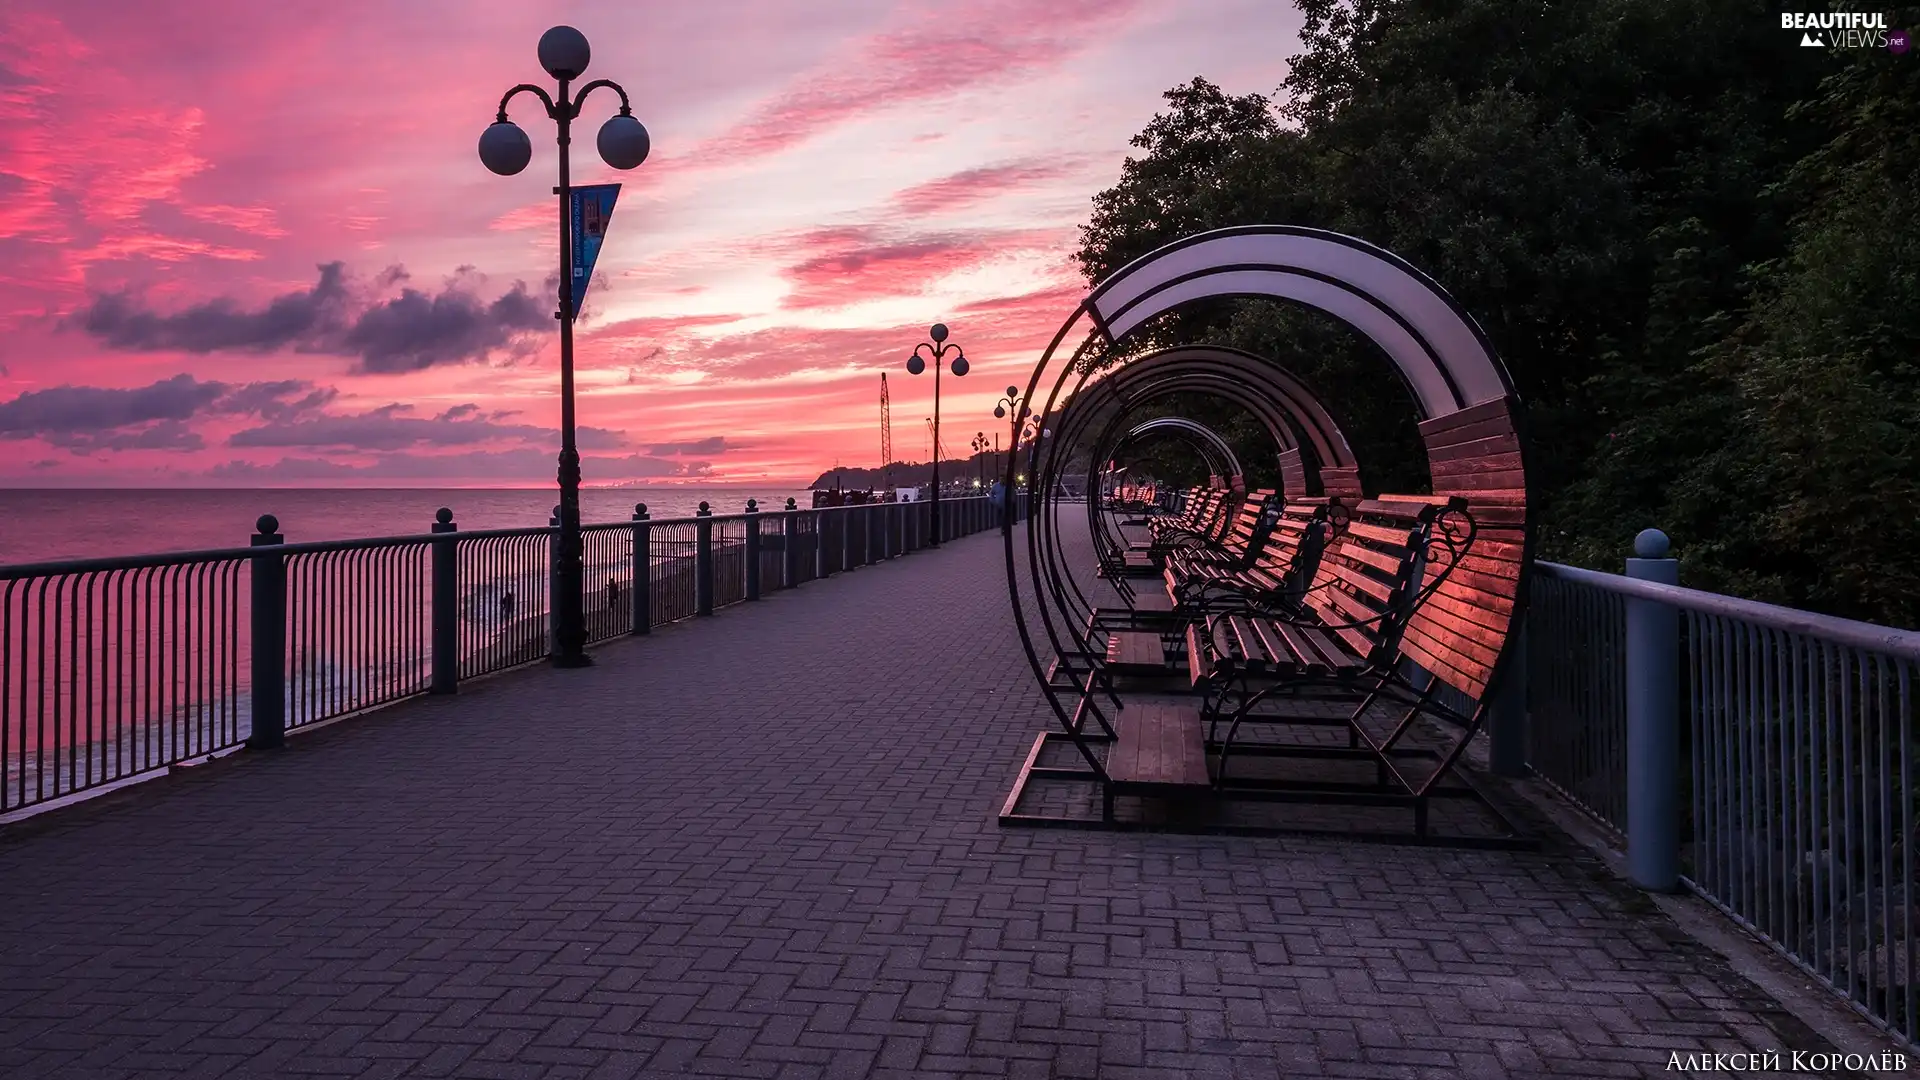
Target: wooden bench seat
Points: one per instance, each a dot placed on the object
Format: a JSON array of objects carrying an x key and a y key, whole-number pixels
[{"x": 1158, "y": 746}]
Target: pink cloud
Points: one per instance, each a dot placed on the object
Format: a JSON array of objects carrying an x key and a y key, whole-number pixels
[
  {"x": 258, "y": 220},
  {"x": 536, "y": 216},
  {"x": 847, "y": 265},
  {"x": 946, "y": 51},
  {"x": 847, "y": 270},
  {"x": 975, "y": 186}
]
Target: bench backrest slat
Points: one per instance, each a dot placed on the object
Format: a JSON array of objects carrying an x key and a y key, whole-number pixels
[
  {"x": 1240, "y": 542},
  {"x": 1365, "y": 575},
  {"x": 1460, "y": 633},
  {"x": 1293, "y": 473},
  {"x": 1292, "y": 544}
]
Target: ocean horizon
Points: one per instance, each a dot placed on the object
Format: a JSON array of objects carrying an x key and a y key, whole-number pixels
[{"x": 48, "y": 524}]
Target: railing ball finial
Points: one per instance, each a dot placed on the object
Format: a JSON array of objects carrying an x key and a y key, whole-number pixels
[
  {"x": 704, "y": 508},
  {"x": 639, "y": 510},
  {"x": 753, "y": 507},
  {"x": 790, "y": 503},
  {"x": 267, "y": 525},
  {"x": 1651, "y": 544},
  {"x": 443, "y": 515}
]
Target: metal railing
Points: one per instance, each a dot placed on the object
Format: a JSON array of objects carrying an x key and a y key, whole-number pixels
[
  {"x": 114, "y": 669},
  {"x": 1779, "y": 747}
]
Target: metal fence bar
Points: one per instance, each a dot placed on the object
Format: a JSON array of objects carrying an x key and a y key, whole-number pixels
[
  {"x": 606, "y": 580},
  {"x": 1799, "y": 749},
  {"x": 729, "y": 560},
  {"x": 111, "y": 669},
  {"x": 640, "y": 608}
]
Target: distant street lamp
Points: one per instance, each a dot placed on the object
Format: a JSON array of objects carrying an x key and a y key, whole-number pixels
[
  {"x": 1032, "y": 432},
  {"x": 1009, "y": 406},
  {"x": 937, "y": 349},
  {"x": 505, "y": 149},
  {"x": 980, "y": 458}
]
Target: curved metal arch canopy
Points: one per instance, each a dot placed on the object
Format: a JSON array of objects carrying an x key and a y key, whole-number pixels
[
  {"x": 1276, "y": 385},
  {"x": 1439, "y": 349},
  {"x": 1197, "y": 430}
]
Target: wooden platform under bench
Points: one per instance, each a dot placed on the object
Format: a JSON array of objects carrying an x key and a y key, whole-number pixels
[{"x": 1157, "y": 747}]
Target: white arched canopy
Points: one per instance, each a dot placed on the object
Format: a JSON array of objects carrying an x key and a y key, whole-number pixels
[
  {"x": 1443, "y": 356},
  {"x": 1229, "y": 459}
]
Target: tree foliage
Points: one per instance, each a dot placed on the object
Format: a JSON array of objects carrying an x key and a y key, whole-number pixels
[{"x": 1689, "y": 239}]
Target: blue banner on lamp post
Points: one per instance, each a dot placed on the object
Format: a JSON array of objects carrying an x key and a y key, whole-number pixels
[{"x": 592, "y": 209}]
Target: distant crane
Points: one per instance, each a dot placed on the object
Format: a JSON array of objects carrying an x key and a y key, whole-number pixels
[{"x": 886, "y": 433}]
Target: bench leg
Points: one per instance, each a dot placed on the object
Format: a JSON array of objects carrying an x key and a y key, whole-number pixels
[{"x": 1106, "y": 803}]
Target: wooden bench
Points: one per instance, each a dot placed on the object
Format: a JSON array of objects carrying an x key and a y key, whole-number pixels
[
  {"x": 1238, "y": 548},
  {"x": 1207, "y": 517},
  {"x": 1458, "y": 616},
  {"x": 1142, "y": 560},
  {"x": 1152, "y": 629},
  {"x": 1351, "y": 614},
  {"x": 1288, "y": 555}
]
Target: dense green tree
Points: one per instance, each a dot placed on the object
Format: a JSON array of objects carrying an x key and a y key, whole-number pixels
[{"x": 1687, "y": 237}]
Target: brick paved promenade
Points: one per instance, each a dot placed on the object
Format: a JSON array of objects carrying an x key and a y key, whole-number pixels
[{"x": 763, "y": 845}]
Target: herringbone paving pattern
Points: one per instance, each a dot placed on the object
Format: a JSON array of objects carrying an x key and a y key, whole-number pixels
[{"x": 763, "y": 845}]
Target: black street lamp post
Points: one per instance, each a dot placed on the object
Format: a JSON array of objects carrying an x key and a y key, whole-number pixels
[
  {"x": 1009, "y": 406},
  {"x": 937, "y": 349},
  {"x": 980, "y": 459},
  {"x": 505, "y": 149}
]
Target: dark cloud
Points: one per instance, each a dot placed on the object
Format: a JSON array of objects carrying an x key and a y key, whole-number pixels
[
  {"x": 165, "y": 435},
  {"x": 220, "y": 324},
  {"x": 92, "y": 409},
  {"x": 389, "y": 428},
  {"x": 712, "y": 444},
  {"x": 278, "y": 400},
  {"x": 593, "y": 438},
  {"x": 154, "y": 417},
  {"x": 414, "y": 330}
]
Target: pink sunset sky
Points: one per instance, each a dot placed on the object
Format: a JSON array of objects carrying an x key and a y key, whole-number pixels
[{"x": 252, "y": 243}]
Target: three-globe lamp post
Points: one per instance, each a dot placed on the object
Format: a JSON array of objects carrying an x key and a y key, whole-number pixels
[
  {"x": 505, "y": 149},
  {"x": 937, "y": 350}
]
